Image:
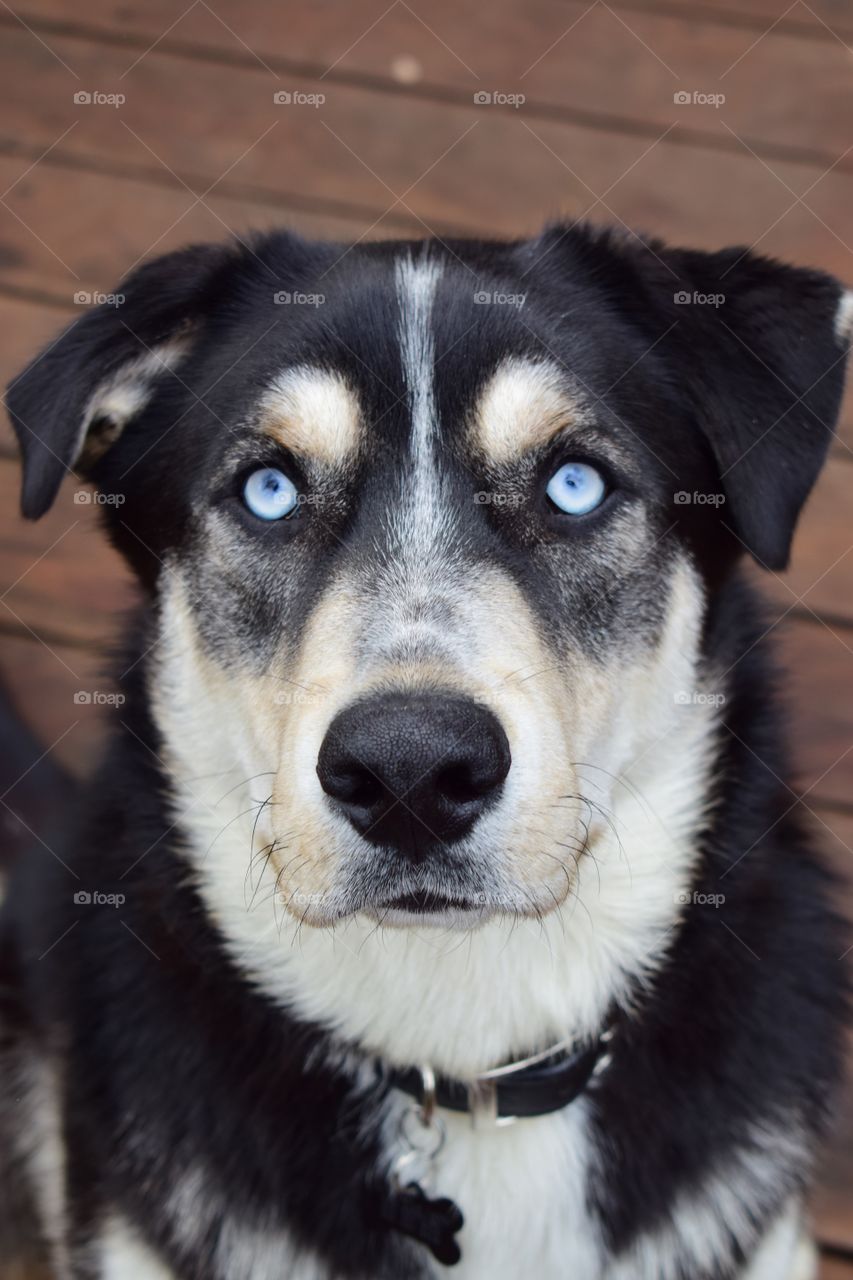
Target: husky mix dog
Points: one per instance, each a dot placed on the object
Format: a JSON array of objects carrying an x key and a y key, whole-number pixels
[{"x": 439, "y": 906}]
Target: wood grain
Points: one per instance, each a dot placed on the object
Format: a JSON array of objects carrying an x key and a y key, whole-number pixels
[
  {"x": 62, "y": 582},
  {"x": 616, "y": 67},
  {"x": 836, "y": 1269},
  {"x": 355, "y": 150}
]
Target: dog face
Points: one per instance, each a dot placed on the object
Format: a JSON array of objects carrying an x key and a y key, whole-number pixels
[{"x": 432, "y": 530}]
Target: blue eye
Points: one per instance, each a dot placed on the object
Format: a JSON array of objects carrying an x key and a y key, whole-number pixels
[
  {"x": 270, "y": 494},
  {"x": 576, "y": 488}
]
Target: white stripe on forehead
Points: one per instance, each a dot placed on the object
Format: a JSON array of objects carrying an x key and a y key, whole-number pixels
[
  {"x": 416, "y": 572},
  {"x": 424, "y": 517},
  {"x": 416, "y": 285}
]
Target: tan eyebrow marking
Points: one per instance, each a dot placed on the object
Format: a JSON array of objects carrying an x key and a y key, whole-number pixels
[
  {"x": 523, "y": 405},
  {"x": 313, "y": 412}
]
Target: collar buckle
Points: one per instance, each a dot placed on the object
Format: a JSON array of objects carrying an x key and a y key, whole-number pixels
[{"x": 483, "y": 1105}]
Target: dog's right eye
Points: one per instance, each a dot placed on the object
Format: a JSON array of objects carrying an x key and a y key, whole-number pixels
[
  {"x": 269, "y": 494},
  {"x": 577, "y": 488}
]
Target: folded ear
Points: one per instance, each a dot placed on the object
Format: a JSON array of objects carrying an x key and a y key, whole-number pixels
[
  {"x": 74, "y": 400},
  {"x": 756, "y": 350}
]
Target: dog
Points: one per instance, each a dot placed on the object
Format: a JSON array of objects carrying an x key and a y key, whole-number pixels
[{"x": 439, "y": 906}]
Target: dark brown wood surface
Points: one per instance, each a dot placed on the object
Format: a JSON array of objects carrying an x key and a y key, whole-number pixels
[{"x": 400, "y": 146}]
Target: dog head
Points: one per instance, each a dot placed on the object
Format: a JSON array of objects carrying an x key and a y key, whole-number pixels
[{"x": 430, "y": 530}]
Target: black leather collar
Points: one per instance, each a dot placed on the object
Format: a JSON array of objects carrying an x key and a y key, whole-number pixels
[{"x": 534, "y": 1086}]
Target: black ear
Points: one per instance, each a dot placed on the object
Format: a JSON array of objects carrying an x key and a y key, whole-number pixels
[
  {"x": 756, "y": 350},
  {"x": 73, "y": 400}
]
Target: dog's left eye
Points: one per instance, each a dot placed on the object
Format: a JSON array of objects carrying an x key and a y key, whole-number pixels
[
  {"x": 576, "y": 488},
  {"x": 269, "y": 494}
]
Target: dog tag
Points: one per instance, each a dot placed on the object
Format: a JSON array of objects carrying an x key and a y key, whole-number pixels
[
  {"x": 407, "y": 1207},
  {"x": 432, "y": 1222}
]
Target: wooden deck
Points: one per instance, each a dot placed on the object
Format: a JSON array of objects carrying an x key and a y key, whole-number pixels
[{"x": 399, "y": 145}]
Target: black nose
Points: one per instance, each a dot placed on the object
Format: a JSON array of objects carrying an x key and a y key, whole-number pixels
[{"x": 413, "y": 770}]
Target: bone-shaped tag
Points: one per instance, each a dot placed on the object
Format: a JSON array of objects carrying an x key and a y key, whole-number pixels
[{"x": 432, "y": 1222}]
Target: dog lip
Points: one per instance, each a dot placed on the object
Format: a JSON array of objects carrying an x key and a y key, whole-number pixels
[{"x": 423, "y": 902}]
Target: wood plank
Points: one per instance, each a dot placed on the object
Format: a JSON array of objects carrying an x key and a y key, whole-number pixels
[
  {"x": 61, "y": 579},
  {"x": 72, "y": 229},
  {"x": 241, "y": 136},
  {"x": 360, "y": 143},
  {"x": 820, "y": 577},
  {"x": 26, "y": 327},
  {"x": 592, "y": 61},
  {"x": 113, "y": 224},
  {"x": 77, "y": 230},
  {"x": 835, "y": 1269},
  {"x": 59, "y": 693},
  {"x": 822, "y": 19},
  {"x": 818, "y": 661},
  {"x": 832, "y": 1200},
  {"x": 264, "y": 32}
]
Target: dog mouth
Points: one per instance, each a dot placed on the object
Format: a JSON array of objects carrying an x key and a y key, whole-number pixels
[
  {"x": 424, "y": 902},
  {"x": 429, "y": 906}
]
